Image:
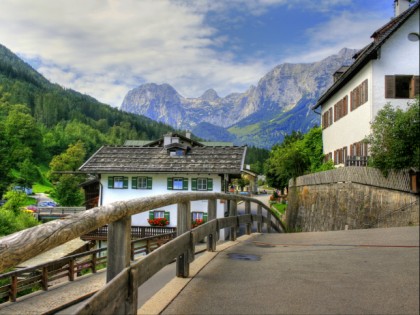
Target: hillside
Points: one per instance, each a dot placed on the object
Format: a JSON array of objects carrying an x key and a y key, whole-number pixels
[
  {"x": 261, "y": 116},
  {"x": 40, "y": 120}
]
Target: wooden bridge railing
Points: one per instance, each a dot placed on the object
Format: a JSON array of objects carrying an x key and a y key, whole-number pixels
[
  {"x": 43, "y": 276},
  {"x": 123, "y": 279}
]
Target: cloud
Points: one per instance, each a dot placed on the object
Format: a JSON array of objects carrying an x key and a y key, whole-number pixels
[
  {"x": 346, "y": 29},
  {"x": 104, "y": 48}
]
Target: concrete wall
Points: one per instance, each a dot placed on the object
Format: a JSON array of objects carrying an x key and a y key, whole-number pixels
[{"x": 352, "y": 197}]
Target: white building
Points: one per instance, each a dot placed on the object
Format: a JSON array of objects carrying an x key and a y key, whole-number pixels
[
  {"x": 386, "y": 70},
  {"x": 172, "y": 164}
]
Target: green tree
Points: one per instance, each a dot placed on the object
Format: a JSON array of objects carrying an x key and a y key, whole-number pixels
[
  {"x": 68, "y": 161},
  {"x": 29, "y": 174},
  {"x": 67, "y": 191},
  {"x": 297, "y": 155},
  {"x": 394, "y": 140},
  {"x": 15, "y": 199}
]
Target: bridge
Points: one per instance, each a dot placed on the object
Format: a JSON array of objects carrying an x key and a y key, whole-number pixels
[{"x": 261, "y": 273}]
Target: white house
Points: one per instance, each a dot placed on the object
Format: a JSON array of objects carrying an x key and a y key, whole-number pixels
[
  {"x": 172, "y": 164},
  {"x": 386, "y": 70}
]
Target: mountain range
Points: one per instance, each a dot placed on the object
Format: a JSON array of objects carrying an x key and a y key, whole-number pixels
[{"x": 260, "y": 116}]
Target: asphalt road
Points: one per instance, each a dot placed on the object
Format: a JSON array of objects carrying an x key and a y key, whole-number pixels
[{"x": 373, "y": 271}]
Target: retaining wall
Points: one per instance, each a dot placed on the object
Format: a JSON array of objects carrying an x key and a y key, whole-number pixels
[{"x": 351, "y": 197}]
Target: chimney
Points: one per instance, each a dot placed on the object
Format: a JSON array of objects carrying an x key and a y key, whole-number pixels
[{"x": 400, "y": 6}]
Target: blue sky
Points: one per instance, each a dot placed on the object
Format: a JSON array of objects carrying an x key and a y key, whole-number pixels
[{"x": 105, "y": 48}]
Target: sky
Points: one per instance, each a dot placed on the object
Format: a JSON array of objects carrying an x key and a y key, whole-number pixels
[{"x": 104, "y": 48}]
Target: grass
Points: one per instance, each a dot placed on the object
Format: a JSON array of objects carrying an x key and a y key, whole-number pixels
[{"x": 280, "y": 207}]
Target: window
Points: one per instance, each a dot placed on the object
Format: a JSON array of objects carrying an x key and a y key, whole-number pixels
[
  {"x": 118, "y": 182},
  {"x": 359, "y": 95},
  {"x": 177, "y": 183},
  {"x": 327, "y": 118},
  {"x": 141, "y": 182},
  {"x": 401, "y": 86},
  {"x": 197, "y": 215},
  {"x": 202, "y": 184},
  {"x": 159, "y": 214},
  {"x": 359, "y": 149},
  {"x": 340, "y": 156},
  {"x": 341, "y": 108}
]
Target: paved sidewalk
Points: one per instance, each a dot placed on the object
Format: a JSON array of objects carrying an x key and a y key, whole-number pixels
[{"x": 373, "y": 271}]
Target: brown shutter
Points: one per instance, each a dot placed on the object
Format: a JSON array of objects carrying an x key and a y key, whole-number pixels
[
  {"x": 330, "y": 116},
  {"x": 389, "y": 86},
  {"x": 365, "y": 86},
  {"x": 414, "y": 86}
]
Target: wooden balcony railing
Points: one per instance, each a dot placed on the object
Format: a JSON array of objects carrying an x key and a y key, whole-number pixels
[{"x": 357, "y": 160}]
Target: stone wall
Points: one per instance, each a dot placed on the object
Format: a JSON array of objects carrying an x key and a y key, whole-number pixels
[{"x": 353, "y": 198}]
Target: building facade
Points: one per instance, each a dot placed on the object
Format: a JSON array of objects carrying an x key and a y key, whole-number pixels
[
  {"x": 172, "y": 164},
  {"x": 385, "y": 71}
]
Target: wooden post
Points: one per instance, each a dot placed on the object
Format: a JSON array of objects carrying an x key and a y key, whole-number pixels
[
  {"x": 233, "y": 211},
  {"x": 248, "y": 211},
  {"x": 211, "y": 215},
  {"x": 44, "y": 279},
  {"x": 268, "y": 221},
  {"x": 259, "y": 224},
  {"x": 71, "y": 269},
  {"x": 183, "y": 225},
  {"x": 93, "y": 263},
  {"x": 13, "y": 289},
  {"x": 119, "y": 244}
]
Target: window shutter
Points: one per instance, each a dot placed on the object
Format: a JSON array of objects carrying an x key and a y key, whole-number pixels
[
  {"x": 194, "y": 184},
  {"x": 205, "y": 217},
  {"x": 365, "y": 87},
  {"x": 389, "y": 86},
  {"x": 170, "y": 183},
  {"x": 185, "y": 184},
  {"x": 110, "y": 182},
  {"x": 149, "y": 182},
  {"x": 151, "y": 215},
  {"x": 134, "y": 183},
  {"x": 125, "y": 182},
  {"x": 331, "y": 116},
  {"x": 209, "y": 185},
  {"x": 345, "y": 105},
  {"x": 414, "y": 86},
  {"x": 167, "y": 216}
]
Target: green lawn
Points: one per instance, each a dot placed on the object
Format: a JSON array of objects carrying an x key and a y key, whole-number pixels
[{"x": 280, "y": 207}]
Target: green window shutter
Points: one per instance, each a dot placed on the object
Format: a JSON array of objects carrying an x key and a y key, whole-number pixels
[
  {"x": 151, "y": 215},
  {"x": 209, "y": 184},
  {"x": 134, "y": 183},
  {"x": 167, "y": 216},
  {"x": 205, "y": 216},
  {"x": 185, "y": 183},
  {"x": 170, "y": 183},
  {"x": 125, "y": 182},
  {"x": 149, "y": 182},
  {"x": 110, "y": 182},
  {"x": 194, "y": 184}
]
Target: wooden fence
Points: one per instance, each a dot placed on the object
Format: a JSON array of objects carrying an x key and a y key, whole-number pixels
[
  {"x": 136, "y": 232},
  {"x": 27, "y": 280},
  {"x": 123, "y": 278}
]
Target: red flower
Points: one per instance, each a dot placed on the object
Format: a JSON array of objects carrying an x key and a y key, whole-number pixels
[
  {"x": 158, "y": 222},
  {"x": 196, "y": 223}
]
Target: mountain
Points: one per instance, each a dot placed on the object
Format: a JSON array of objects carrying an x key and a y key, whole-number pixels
[{"x": 261, "y": 116}]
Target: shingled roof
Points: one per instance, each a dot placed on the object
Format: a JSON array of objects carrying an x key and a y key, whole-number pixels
[
  {"x": 207, "y": 160},
  {"x": 367, "y": 53}
]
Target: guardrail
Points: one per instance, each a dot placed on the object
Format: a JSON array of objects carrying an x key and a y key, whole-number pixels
[
  {"x": 120, "y": 293},
  {"x": 44, "y": 276},
  {"x": 136, "y": 232},
  {"x": 43, "y": 213}
]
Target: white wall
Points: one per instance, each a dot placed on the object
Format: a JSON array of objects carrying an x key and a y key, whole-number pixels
[
  {"x": 355, "y": 126},
  {"x": 398, "y": 56},
  {"x": 159, "y": 187}
]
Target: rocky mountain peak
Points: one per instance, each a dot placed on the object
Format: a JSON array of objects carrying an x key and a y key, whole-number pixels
[{"x": 210, "y": 95}]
